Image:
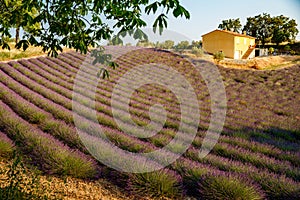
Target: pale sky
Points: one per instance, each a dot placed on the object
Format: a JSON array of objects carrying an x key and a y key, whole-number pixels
[{"x": 207, "y": 15}]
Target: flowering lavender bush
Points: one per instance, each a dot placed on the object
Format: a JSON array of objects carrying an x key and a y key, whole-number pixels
[{"x": 257, "y": 155}]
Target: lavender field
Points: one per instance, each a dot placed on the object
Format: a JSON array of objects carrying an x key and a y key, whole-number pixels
[{"x": 257, "y": 155}]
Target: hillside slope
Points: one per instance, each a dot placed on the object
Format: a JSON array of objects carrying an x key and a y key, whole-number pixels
[{"x": 258, "y": 148}]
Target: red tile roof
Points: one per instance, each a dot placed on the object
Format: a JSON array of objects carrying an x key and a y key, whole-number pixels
[{"x": 232, "y": 33}]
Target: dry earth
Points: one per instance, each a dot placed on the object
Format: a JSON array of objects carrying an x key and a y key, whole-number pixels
[{"x": 258, "y": 63}]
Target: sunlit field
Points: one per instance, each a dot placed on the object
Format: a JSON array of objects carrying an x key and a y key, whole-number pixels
[{"x": 257, "y": 155}]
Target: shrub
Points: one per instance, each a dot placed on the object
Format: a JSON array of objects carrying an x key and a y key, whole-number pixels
[
  {"x": 287, "y": 48},
  {"x": 271, "y": 50},
  {"x": 278, "y": 187},
  {"x": 197, "y": 51},
  {"x": 292, "y": 52},
  {"x": 4, "y": 55},
  {"x": 158, "y": 184},
  {"x": 191, "y": 177},
  {"x": 218, "y": 56},
  {"x": 228, "y": 187}
]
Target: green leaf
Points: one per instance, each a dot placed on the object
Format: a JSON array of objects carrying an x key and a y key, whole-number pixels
[
  {"x": 5, "y": 46},
  {"x": 22, "y": 44},
  {"x": 103, "y": 73},
  {"x": 152, "y": 7},
  {"x": 177, "y": 11},
  {"x": 160, "y": 22},
  {"x": 113, "y": 65}
]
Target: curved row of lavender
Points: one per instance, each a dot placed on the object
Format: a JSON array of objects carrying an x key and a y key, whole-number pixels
[{"x": 258, "y": 149}]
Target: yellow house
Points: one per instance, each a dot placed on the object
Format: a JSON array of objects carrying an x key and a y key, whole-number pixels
[{"x": 233, "y": 45}]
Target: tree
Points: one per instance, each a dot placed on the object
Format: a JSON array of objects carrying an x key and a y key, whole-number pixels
[
  {"x": 168, "y": 44},
  {"x": 284, "y": 29},
  {"x": 181, "y": 46},
  {"x": 80, "y": 24},
  {"x": 276, "y": 29},
  {"x": 231, "y": 25},
  {"x": 197, "y": 44},
  {"x": 145, "y": 43},
  {"x": 14, "y": 14},
  {"x": 260, "y": 27}
]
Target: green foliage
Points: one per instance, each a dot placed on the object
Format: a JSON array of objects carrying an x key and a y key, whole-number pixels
[
  {"x": 292, "y": 52},
  {"x": 277, "y": 188},
  {"x": 191, "y": 178},
  {"x": 82, "y": 24},
  {"x": 145, "y": 43},
  {"x": 116, "y": 40},
  {"x": 4, "y": 55},
  {"x": 156, "y": 184},
  {"x": 15, "y": 13},
  {"x": 197, "y": 52},
  {"x": 168, "y": 44},
  {"x": 216, "y": 187},
  {"x": 231, "y": 25},
  {"x": 287, "y": 48},
  {"x": 218, "y": 56},
  {"x": 271, "y": 50},
  {"x": 197, "y": 44},
  {"x": 271, "y": 29},
  {"x": 181, "y": 46},
  {"x": 284, "y": 29},
  {"x": 259, "y": 26},
  {"x": 6, "y": 147}
]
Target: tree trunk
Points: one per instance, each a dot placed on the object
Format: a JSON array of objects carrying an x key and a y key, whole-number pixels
[{"x": 17, "y": 34}]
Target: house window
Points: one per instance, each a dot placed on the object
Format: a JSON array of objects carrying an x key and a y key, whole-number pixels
[
  {"x": 245, "y": 41},
  {"x": 237, "y": 40}
]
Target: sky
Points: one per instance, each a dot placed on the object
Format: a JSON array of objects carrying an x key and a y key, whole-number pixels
[{"x": 207, "y": 15}]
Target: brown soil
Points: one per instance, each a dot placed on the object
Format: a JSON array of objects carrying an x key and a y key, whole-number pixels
[
  {"x": 262, "y": 63},
  {"x": 257, "y": 63},
  {"x": 68, "y": 188}
]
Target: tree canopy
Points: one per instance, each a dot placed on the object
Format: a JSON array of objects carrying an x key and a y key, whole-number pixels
[
  {"x": 12, "y": 13},
  {"x": 265, "y": 28},
  {"x": 276, "y": 29},
  {"x": 81, "y": 24},
  {"x": 284, "y": 29},
  {"x": 231, "y": 25}
]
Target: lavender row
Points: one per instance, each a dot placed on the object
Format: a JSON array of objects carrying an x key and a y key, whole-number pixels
[
  {"x": 64, "y": 91},
  {"x": 54, "y": 79},
  {"x": 107, "y": 84},
  {"x": 257, "y": 159},
  {"x": 272, "y": 183},
  {"x": 44, "y": 120},
  {"x": 262, "y": 148},
  {"x": 62, "y": 113},
  {"x": 45, "y": 151},
  {"x": 56, "y": 110},
  {"x": 268, "y": 165},
  {"x": 7, "y": 146}
]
